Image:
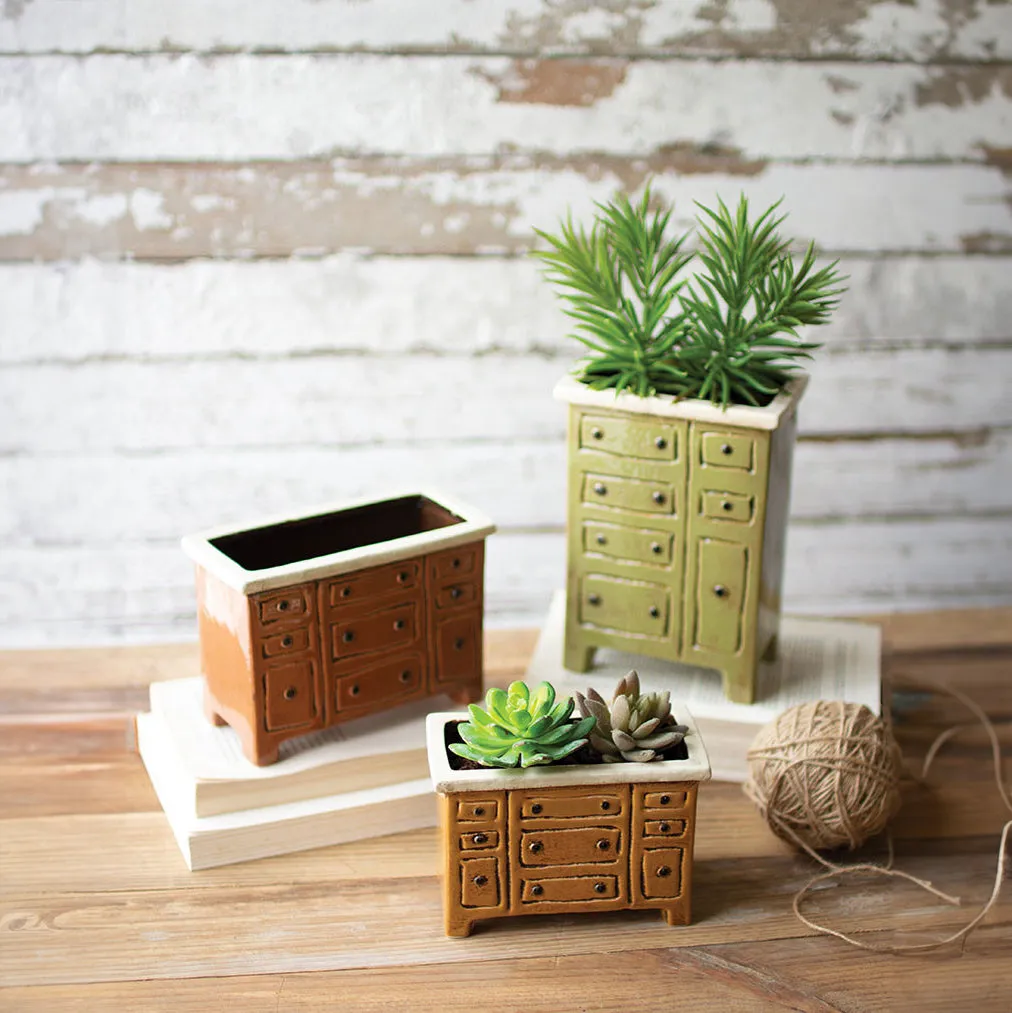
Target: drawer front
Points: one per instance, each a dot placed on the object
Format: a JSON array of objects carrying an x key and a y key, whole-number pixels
[
  {"x": 386, "y": 630},
  {"x": 480, "y": 882},
  {"x": 639, "y": 544},
  {"x": 727, "y": 450},
  {"x": 661, "y": 873},
  {"x": 478, "y": 840},
  {"x": 361, "y": 587},
  {"x": 626, "y": 605},
  {"x": 578, "y": 846},
  {"x": 629, "y": 494},
  {"x": 290, "y": 642},
  {"x": 550, "y": 807},
  {"x": 456, "y": 594},
  {"x": 564, "y": 889},
  {"x": 458, "y": 648},
  {"x": 720, "y": 594},
  {"x": 290, "y": 694},
  {"x": 454, "y": 563},
  {"x": 291, "y": 605},
  {"x": 727, "y": 506},
  {"x": 383, "y": 683},
  {"x": 664, "y": 828},
  {"x": 653, "y": 441},
  {"x": 666, "y": 800},
  {"x": 478, "y": 811}
]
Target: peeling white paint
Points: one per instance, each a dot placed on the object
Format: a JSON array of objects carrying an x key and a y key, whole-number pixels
[
  {"x": 101, "y": 209},
  {"x": 21, "y": 211},
  {"x": 148, "y": 210}
]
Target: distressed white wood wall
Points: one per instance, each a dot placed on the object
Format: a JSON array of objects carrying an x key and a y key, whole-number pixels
[{"x": 257, "y": 254}]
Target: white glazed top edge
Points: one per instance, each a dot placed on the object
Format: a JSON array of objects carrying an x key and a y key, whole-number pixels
[
  {"x": 446, "y": 780},
  {"x": 571, "y": 390},
  {"x": 198, "y": 547}
]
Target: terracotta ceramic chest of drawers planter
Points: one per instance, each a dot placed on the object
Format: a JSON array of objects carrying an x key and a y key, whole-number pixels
[
  {"x": 676, "y": 523},
  {"x": 310, "y": 621},
  {"x": 565, "y": 838}
]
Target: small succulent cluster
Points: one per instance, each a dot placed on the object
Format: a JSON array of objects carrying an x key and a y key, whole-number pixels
[
  {"x": 636, "y": 726},
  {"x": 520, "y": 728}
]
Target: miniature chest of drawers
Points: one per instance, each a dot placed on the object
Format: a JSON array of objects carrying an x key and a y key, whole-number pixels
[
  {"x": 676, "y": 528},
  {"x": 310, "y": 622},
  {"x": 551, "y": 840}
]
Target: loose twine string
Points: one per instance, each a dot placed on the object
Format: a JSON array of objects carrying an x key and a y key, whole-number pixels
[{"x": 887, "y": 774}]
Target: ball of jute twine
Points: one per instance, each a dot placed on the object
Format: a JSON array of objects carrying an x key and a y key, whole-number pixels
[
  {"x": 827, "y": 774},
  {"x": 828, "y": 771}
]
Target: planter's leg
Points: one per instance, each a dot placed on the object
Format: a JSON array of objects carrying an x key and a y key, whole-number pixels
[
  {"x": 675, "y": 916},
  {"x": 739, "y": 685},
  {"x": 458, "y": 928},
  {"x": 772, "y": 649},
  {"x": 578, "y": 658},
  {"x": 466, "y": 693},
  {"x": 210, "y": 711}
]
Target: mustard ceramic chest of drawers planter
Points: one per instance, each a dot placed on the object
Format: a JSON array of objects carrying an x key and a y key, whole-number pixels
[
  {"x": 565, "y": 838},
  {"x": 676, "y": 522},
  {"x": 310, "y": 621}
]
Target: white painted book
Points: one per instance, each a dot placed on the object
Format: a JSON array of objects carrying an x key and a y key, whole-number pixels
[{"x": 818, "y": 659}]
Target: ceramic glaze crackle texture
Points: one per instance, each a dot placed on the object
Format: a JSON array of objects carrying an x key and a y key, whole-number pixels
[{"x": 676, "y": 521}]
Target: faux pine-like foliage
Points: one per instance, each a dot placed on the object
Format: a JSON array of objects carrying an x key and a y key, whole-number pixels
[{"x": 730, "y": 334}]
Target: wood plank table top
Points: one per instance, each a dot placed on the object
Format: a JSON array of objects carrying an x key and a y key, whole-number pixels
[{"x": 99, "y": 909}]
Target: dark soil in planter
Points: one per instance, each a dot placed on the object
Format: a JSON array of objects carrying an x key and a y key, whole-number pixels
[{"x": 585, "y": 755}]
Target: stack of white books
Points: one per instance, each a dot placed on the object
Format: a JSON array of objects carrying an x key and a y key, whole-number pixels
[
  {"x": 349, "y": 782},
  {"x": 817, "y": 659}
]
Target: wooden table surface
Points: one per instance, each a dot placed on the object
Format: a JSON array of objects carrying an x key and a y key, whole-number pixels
[{"x": 98, "y": 907}]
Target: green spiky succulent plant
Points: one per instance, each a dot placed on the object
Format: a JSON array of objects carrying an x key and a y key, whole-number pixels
[
  {"x": 729, "y": 335},
  {"x": 636, "y": 726},
  {"x": 520, "y": 728}
]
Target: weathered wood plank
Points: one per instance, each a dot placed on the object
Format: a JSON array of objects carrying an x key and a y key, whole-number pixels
[
  {"x": 879, "y": 30},
  {"x": 83, "y": 937},
  {"x": 181, "y": 491},
  {"x": 141, "y": 591},
  {"x": 465, "y": 205},
  {"x": 89, "y": 310},
  {"x": 237, "y": 108},
  {"x": 322, "y": 401}
]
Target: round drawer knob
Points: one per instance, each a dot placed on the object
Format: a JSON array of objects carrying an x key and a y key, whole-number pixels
[
  {"x": 458, "y": 644},
  {"x": 726, "y": 449},
  {"x": 291, "y": 693},
  {"x": 536, "y": 808},
  {"x": 537, "y": 890},
  {"x": 663, "y": 871},
  {"x": 456, "y": 593},
  {"x": 660, "y": 443},
  {"x": 536, "y": 846},
  {"x": 600, "y": 488},
  {"x": 603, "y": 845},
  {"x": 402, "y": 577},
  {"x": 597, "y": 433},
  {"x": 287, "y": 641},
  {"x": 348, "y": 636},
  {"x": 406, "y": 675},
  {"x": 398, "y": 624},
  {"x": 727, "y": 506},
  {"x": 665, "y": 827},
  {"x": 719, "y": 590},
  {"x": 479, "y": 810},
  {"x": 480, "y": 880},
  {"x": 354, "y": 690},
  {"x": 479, "y": 838},
  {"x": 605, "y": 806},
  {"x": 283, "y": 606},
  {"x": 655, "y": 548},
  {"x": 594, "y": 599},
  {"x": 456, "y": 564},
  {"x": 345, "y": 592},
  {"x": 599, "y": 888},
  {"x": 658, "y": 498},
  {"x": 654, "y": 612},
  {"x": 601, "y": 540},
  {"x": 665, "y": 799}
]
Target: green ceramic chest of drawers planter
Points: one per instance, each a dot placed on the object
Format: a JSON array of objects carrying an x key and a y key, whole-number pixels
[{"x": 676, "y": 520}]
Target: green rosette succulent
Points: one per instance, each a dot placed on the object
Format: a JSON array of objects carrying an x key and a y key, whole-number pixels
[
  {"x": 520, "y": 728},
  {"x": 636, "y": 726}
]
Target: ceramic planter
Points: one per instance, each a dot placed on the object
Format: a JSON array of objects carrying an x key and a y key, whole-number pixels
[
  {"x": 676, "y": 521},
  {"x": 314, "y": 620},
  {"x": 566, "y": 838}
]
